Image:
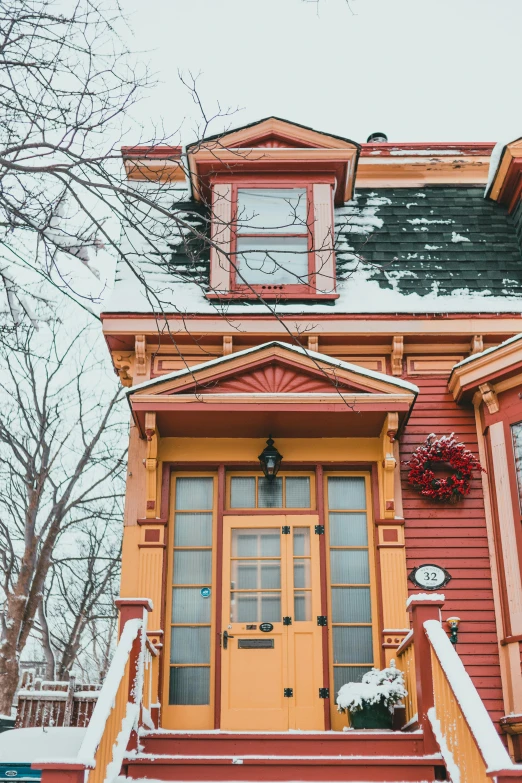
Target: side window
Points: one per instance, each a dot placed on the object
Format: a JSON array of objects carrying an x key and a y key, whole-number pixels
[{"x": 516, "y": 435}]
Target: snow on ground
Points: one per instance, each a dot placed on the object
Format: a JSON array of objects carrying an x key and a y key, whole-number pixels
[{"x": 27, "y": 745}]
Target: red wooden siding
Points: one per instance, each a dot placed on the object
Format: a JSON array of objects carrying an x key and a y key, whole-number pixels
[{"x": 454, "y": 536}]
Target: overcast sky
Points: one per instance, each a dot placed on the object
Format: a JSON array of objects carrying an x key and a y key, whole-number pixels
[{"x": 419, "y": 70}]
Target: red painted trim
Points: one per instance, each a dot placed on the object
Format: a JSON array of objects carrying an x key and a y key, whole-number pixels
[
  {"x": 158, "y": 151},
  {"x": 511, "y": 639},
  {"x": 320, "y": 502},
  {"x": 422, "y": 611},
  {"x": 317, "y": 317},
  {"x": 512, "y": 185},
  {"x": 221, "y": 501},
  {"x": 165, "y": 513},
  {"x": 394, "y": 522},
  {"x": 467, "y": 149},
  {"x": 284, "y": 294},
  {"x": 374, "y": 487}
]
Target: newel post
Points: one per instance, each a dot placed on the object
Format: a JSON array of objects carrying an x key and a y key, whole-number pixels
[
  {"x": 134, "y": 609},
  {"x": 424, "y": 607}
]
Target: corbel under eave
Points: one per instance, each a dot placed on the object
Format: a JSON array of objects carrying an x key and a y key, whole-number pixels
[
  {"x": 389, "y": 464},
  {"x": 151, "y": 465}
]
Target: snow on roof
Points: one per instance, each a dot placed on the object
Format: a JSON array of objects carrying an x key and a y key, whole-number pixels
[
  {"x": 378, "y": 376},
  {"x": 27, "y": 745},
  {"x": 475, "y": 356}
]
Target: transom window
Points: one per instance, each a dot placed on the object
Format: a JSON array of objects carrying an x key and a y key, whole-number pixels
[
  {"x": 258, "y": 492},
  {"x": 272, "y": 237}
]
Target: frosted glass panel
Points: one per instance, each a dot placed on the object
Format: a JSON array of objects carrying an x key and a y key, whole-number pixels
[
  {"x": 348, "y": 530},
  {"x": 255, "y": 608},
  {"x": 346, "y": 492},
  {"x": 297, "y": 491},
  {"x": 192, "y": 567},
  {"x": 302, "y": 573},
  {"x": 344, "y": 674},
  {"x": 270, "y": 493},
  {"x": 302, "y": 606},
  {"x": 352, "y": 644},
  {"x": 189, "y": 685},
  {"x": 242, "y": 492},
  {"x": 189, "y": 606},
  {"x": 189, "y": 645},
  {"x": 302, "y": 541},
  {"x": 351, "y": 605},
  {"x": 256, "y": 542},
  {"x": 275, "y": 210},
  {"x": 193, "y": 530},
  {"x": 194, "y": 493},
  {"x": 349, "y": 566},
  {"x": 256, "y": 574},
  {"x": 272, "y": 260}
]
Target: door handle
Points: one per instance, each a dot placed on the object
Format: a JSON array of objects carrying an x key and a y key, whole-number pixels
[{"x": 226, "y": 637}]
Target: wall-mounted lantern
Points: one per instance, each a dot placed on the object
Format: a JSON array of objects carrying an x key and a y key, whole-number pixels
[
  {"x": 453, "y": 625},
  {"x": 270, "y": 459}
]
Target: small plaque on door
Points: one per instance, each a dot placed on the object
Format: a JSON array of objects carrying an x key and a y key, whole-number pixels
[{"x": 255, "y": 644}]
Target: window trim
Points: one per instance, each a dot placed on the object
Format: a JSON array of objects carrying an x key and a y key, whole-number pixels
[{"x": 245, "y": 291}]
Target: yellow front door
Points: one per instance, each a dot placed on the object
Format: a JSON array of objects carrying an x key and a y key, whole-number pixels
[{"x": 271, "y": 642}]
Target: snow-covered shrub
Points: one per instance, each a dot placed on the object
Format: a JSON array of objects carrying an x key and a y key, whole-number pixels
[{"x": 386, "y": 686}]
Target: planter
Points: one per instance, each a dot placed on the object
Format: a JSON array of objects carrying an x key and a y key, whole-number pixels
[{"x": 372, "y": 716}]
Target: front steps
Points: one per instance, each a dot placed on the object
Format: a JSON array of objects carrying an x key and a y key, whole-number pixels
[{"x": 352, "y": 756}]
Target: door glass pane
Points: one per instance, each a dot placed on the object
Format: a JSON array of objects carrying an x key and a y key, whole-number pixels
[
  {"x": 189, "y": 645},
  {"x": 346, "y": 492},
  {"x": 302, "y": 605},
  {"x": 302, "y": 541},
  {"x": 344, "y": 674},
  {"x": 352, "y": 644},
  {"x": 243, "y": 492},
  {"x": 194, "y": 493},
  {"x": 297, "y": 490},
  {"x": 351, "y": 605},
  {"x": 302, "y": 573},
  {"x": 189, "y": 606},
  {"x": 270, "y": 493},
  {"x": 274, "y": 210},
  {"x": 256, "y": 542},
  {"x": 349, "y": 566},
  {"x": 255, "y": 607},
  {"x": 193, "y": 530},
  {"x": 256, "y": 574},
  {"x": 189, "y": 685},
  {"x": 192, "y": 567},
  {"x": 348, "y": 530}
]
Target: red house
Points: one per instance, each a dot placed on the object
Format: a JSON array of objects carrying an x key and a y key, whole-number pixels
[{"x": 324, "y": 368}]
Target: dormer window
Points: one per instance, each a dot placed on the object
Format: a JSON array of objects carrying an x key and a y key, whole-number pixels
[
  {"x": 272, "y": 239},
  {"x": 272, "y": 187}
]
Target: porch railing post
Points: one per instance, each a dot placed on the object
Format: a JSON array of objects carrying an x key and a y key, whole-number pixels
[{"x": 424, "y": 607}]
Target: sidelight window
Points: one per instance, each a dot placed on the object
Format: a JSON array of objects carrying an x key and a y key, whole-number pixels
[
  {"x": 350, "y": 593},
  {"x": 190, "y": 637}
]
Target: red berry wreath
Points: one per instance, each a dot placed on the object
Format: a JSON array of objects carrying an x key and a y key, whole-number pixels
[{"x": 442, "y": 450}]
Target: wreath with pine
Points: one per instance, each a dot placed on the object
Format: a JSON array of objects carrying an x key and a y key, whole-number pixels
[{"x": 448, "y": 451}]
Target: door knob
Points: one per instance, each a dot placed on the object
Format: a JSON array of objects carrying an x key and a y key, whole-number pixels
[{"x": 226, "y": 637}]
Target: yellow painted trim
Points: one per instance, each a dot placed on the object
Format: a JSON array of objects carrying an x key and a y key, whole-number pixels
[{"x": 512, "y": 150}]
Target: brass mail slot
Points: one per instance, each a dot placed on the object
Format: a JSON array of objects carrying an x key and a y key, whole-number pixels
[{"x": 255, "y": 644}]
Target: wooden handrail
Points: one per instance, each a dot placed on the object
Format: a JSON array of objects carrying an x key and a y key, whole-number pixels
[{"x": 467, "y": 739}]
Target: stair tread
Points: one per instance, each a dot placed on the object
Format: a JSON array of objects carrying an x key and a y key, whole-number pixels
[{"x": 143, "y": 757}]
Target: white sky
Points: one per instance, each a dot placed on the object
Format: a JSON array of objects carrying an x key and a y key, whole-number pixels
[{"x": 418, "y": 70}]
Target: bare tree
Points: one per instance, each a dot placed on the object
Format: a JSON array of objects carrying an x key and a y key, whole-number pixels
[{"x": 61, "y": 460}]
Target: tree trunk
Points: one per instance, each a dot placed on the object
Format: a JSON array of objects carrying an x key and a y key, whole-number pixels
[{"x": 50, "y": 665}]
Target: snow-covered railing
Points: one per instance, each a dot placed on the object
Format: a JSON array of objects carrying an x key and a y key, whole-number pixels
[
  {"x": 124, "y": 703},
  {"x": 406, "y": 662},
  {"x": 471, "y": 748}
]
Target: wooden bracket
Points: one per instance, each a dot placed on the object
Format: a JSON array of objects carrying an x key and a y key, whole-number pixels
[
  {"x": 228, "y": 344},
  {"x": 489, "y": 396},
  {"x": 477, "y": 344},
  {"x": 397, "y": 354},
  {"x": 140, "y": 349},
  {"x": 389, "y": 463},
  {"x": 313, "y": 343},
  {"x": 123, "y": 363},
  {"x": 151, "y": 464}
]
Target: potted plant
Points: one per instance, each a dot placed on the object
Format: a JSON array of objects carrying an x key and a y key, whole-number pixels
[{"x": 370, "y": 702}]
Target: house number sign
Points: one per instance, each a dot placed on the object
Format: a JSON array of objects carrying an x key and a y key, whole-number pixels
[{"x": 429, "y": 576}]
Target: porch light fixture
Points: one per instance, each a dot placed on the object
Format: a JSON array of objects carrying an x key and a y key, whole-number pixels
[
  {"x": 453, "y": 625},
  {"x": 270, "y": 459}
]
